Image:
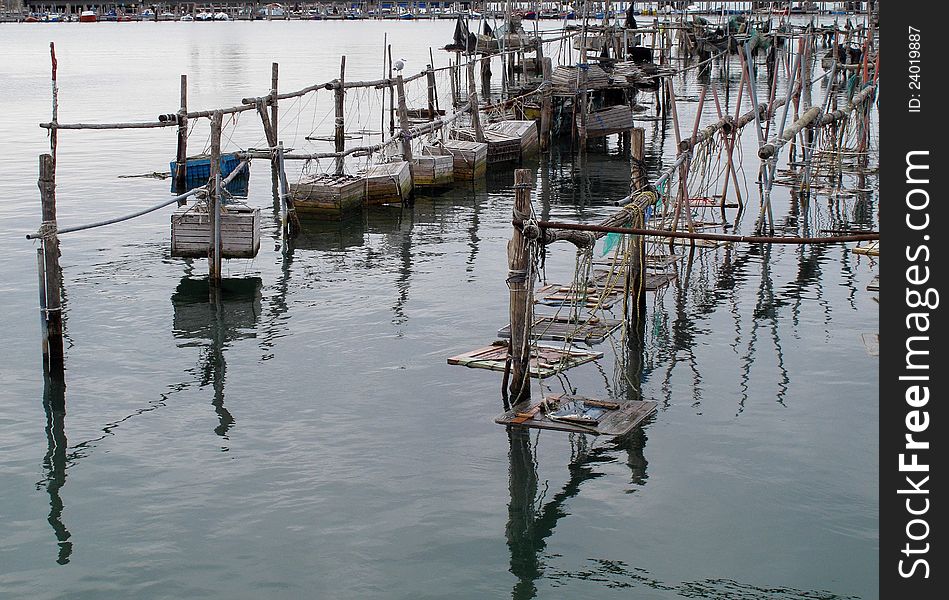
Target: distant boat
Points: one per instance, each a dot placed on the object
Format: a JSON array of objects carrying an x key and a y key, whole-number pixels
[
  {"x": 88, "y": 16},
  {"x": 187, "y": 18},
  {"x": 203, "y": 16},
  {"x": 222, "y": 16}
]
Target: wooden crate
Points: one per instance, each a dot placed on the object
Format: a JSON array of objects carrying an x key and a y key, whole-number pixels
[
  {"x": 433, "y": 171},
  {"x": 191, "y": 231},
  {"x": 502, "y": 147},
  {"x": 614, "y": 119},
  {"x": 470, "y": 159},
  {"x": 525, "y": 131},
  {"x": 328, "y": 195},
  {"x": 389, "y": 183}
]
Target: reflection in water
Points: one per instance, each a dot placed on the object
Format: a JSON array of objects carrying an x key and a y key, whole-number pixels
[
  {"x": 231, "y": 314},
  {"x": 55, "y": 462},
  {"x": 531, "y": 520}
]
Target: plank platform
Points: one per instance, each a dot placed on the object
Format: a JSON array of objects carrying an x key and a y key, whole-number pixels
[
  {"x": 874, "y": 285},
  {"x": 554, "y": 328},
  {"x": 578, "y": 414},
  {"x": 653, "y": 281},
  {"x": 561, "y": 295},
  {"x": 869, "y": 249},
  {"x": 546, "y": 361},
  {"x": 871, "y": 341},
  {"x": 653, "y": 261}
]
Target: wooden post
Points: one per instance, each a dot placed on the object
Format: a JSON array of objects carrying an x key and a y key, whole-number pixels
[
  {"x": 473, "y": 101},
  {"x": 486, "y": 76},
  {"x": 339, "y": 94},
  {"x": 430, "y": 77},
  {"x": 181, "y": 168},
  {"x": 546, "y": 110},
  {"x": 274, "y": 168},
  {"x": 635, "y": 280},
  {"x": 403, "y": 119},
  {"x": 637, "y": 149},
  {"x": 454, "y": 85},
  {"x": 214, "y": 252},
  {"x": 54, "y": 360},
  {"x": 274, "y": 69},
  {"x": 520, "y": 282},
  {"x": 583, "y": 107}
]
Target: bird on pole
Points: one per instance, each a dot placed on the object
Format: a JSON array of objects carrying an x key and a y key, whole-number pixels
[{"x": 399, "y": 64}]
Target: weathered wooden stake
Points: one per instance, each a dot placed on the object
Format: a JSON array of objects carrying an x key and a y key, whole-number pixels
[
  {"x": 54, "y": 360},
  {"x": 635, "y": 280},
  {"x": 520, "y": 282},
  {"x": 181, "y": 167},
  {"x": 473, "y": 101},
  {"x": 274, "y": 168},
  {"x": 546, "y": 109},
  {"x": 430, "y": 77},
  {"x": 339, "y": 136},
  {"x": 214, "y": 211},
  {"x": 404, "y": 119}
]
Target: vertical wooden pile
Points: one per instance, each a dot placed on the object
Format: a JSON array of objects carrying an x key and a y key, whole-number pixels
[
  {"x": 520, "y": 282},
  {"x": 50, "y": 275}
]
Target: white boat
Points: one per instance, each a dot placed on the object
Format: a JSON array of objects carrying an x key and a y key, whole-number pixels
[
  {"x": 203, "y": 16},
  {"x": 187, "y": 18},
  {"x": 222, "y": 16}
]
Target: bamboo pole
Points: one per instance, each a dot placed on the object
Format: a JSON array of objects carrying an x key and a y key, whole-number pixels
[
  {"x": 340, "y": 130},
  {"x": 404, "y": 120},
  {"x": 181, "y": 166},
  {"x": 54, "y": 360},
  {"x": 520, "y": 282}
]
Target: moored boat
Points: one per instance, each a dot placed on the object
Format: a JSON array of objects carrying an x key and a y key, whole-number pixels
[{"x": 88, "y": 16}]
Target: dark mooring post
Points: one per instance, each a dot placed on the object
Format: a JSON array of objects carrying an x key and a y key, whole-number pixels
[
  {"x": 473, "y": 101},
  {"x": 53, "y": 358},
  {"x": 430, "y": 78},
  {"x": 340, "y": 132},
  {"x": 635, "y": 276},
  {"x": 182, "y": 157},
  {"x": 546, "y": 110},
  {"x": 214, "y": 199},
  {"x": 404, "y": 119},
  {"x": 520, "y": 282}
]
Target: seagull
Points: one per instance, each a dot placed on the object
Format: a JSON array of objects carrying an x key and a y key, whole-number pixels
[{"x": 399, "y": 64}]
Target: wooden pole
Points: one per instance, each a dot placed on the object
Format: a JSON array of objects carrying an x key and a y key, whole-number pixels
[
  {"x": 520, "y": 282},
  {"x": 391, "y": 97},
  {"x": 635, "y": 288},
  {"x": 546, "y": 111},
  {"x": 274, "y": 168},
  {"x": 181, "y": 167},
  {"x": 473, "y": 102},
  {"x": 430, "y": 76},
  {"x": 214, "y": 253},
  {"x": 54, "y": 360},
  {"x": 340, "y": 131},
  {"x": 404, "y": 120}
]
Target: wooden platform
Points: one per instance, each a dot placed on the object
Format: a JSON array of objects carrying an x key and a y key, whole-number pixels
[
  {"x": 653, "y": 261},
  {"x": 653, "y": 281},
  {"x": 555, "y": 328},
  {"x": 607, "y": 121},
  {"x": 561, "y": 295},
  {"x": 191, "y": 231},
  {"x": 433, "y": 171},
  {"x": 577, "y": 414},
  {"x": 328, "y": 196},
  {"x": 470, "y": 159},
  {"x": 502, "y": 147},
  {"x": 389, "y": 183},
  {"x": 869, "y": 249},
  {"x": 874, "y": 285},
  {"x": 546, "y": 362}
]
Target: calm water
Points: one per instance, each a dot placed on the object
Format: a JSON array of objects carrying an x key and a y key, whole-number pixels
[{"x": 308, "y": 439}]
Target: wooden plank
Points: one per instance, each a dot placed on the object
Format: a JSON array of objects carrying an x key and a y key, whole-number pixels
[
  {"x": 554, "y": 328},
  {"x": 869, "y": 249},
  {"x": 874, "y": 285},
  {"x": 578, "y": 414},
  {"x": 545, "y": 361},
  {"x": 561, "y": 295},
  {"x": 871, "y": 341}
]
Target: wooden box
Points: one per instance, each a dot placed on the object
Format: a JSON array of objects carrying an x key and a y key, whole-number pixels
[
  {"x": 470, "y": 158},
  {"x": 328, "y": 195},
  {"x": 433, "y": 171},
  {"x": 389, "y": 183},
  {"x": 191, "y": 231}
]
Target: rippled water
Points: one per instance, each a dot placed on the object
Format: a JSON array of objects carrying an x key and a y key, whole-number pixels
[{"x": 308, "y": 439}]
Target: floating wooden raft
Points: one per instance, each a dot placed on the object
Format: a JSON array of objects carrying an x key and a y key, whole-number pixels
[
  {"x": 564, "y": 79},
  {"x": 191, "y": 231},
  {"x": 502, "y": 147},
  {"x": 551, "y": 327},
  {"x": 433, "y": 171},
  {"x": 525, "y": 131},
  {"x": 578, "y": 414},
  {"x": 389, "y": 183},
  {"x": 870, "y": 249},
  {"x": 328, "y": 195},
  {"x": 562, "y": 295},
  {"x": 545, "y": 361},
  {"x": 653, "y": 281},
  {"x": 615, "y": 119},
  {"x": 470, "y": 158}
]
